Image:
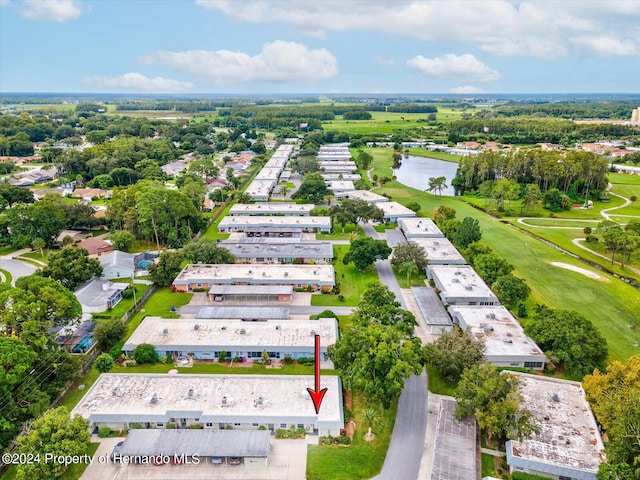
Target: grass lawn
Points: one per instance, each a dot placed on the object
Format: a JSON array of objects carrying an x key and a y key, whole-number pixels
[
  {"x": 37, "y": 264},
  {"x": 75, "y": 394},
  {"x": 353, "y": 282},
  {"x": 360, "y": 460},
  {"x": 37, "y": 256},
  {"x": 562, "y": 223},
  {"x": 7, "y": 276},
  {"x": 488, "y": 465},
  {"x": 224, "y": 369},
  {"x": 74, "y": 472},
  {"x": 438, "y": 384},
  {"x": 612, "y": 306},
  {"x": 126, "y": 303},
  {"x": 423, "y": 152},
  {"x": 338, "y": 235},
  {"x": 383, "y": 227},
  {"x": 6, "y": 250},
  {"x": 160, "y": 303}
]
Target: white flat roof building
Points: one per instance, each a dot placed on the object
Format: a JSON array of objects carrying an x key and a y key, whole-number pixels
[
  {"x": 272, "y": 208},
  {"x": 116, "y": 400},
  {"x": 337, "y": 167},
  {"x": 260, "y": 189},
  {"x": 205, "y": 339},
  {"x": 365, "y": 195},
  {"x": 341, "y": 186},
  {"x": 506, "y": 343},
  {"x": 393, "y": 211},
  {"x": 262, "y": 252},
  {"x": 460, "y": 285},
  {"x": 419, "y": 228},
  {"x": 240, "y": 223},
  {"x": 204, "y": 276},
  {"x": 269, "y": 173},
  {"x": 329, "y": 177},
  {"x": 440, "y": 251},
  {"x": 569, "y": 444}
]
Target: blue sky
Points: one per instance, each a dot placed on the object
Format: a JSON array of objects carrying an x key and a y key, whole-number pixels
[{"x": 301, "y": 46}]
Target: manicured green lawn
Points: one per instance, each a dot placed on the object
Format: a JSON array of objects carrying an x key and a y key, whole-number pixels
[
  {"x": 488, "y": 467},
  {"x": 37, "y": 264},
  {"x": 423, "y": 152},
  {"x": 360, "y": 460},
  {"x": 6, "y": 250},
  {"x": 562, "y": 223},
  {"x": 612, "y": 306},
  {"x": 353, "y": 282},
  {"x": 7, "y": 276},
  {"x": 438, "y": 384},
  {"x": 160, "y": 303},
  {"x": 75, "y": 395},
  {"x": 224, "y": 369},
  {"x": 338, "y": 235}
]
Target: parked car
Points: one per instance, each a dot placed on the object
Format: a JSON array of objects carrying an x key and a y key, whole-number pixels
[
  {"x": 217, "y": 460},
  {"x": 234, "y": 461},
  {"x": 116, "y": 450}
]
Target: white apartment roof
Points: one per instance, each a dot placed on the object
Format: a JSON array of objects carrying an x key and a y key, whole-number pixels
[
  {"x": 273, "y": 208},
  {"x": 255, "y": 290},
  {"x": 183, "y": 333},
  {"x": 569, "y": 436},
  {"x": 501, "y": 332},
  {"x": 269, "y": 173},
  {"x": 260, "y": 188},
  {"x": 419, "y": 227},
  {"x": 214, "y": 398},
  {"x": 394, "y": 209},
  {"x": 339, "y": 163},
  {"x": 317, "y": 250},
  {"x": 295, "y": 221},
  {"x": 341, "y": 185},
  {"x": 328, "y": 177},
  {"x": 365, "y": 195},
  {"x": 256, "y": 274},
  {"x": 439, "y": 250},
  {"x": 459, "y": 281}
]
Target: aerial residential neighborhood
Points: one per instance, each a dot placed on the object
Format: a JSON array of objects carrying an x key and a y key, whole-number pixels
[{"x": 300, "y": 240}]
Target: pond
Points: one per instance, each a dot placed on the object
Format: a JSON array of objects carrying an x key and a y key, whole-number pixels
[{"x": 415, "y": 172}]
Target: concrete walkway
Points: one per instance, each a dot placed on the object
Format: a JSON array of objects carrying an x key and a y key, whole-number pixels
[{"x": 495, "y": 453}]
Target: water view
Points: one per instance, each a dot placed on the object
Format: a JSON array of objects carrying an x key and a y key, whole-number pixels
[{"x": 415, "y": 172}]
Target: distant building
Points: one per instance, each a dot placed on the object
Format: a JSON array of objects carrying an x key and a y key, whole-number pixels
[
  {"x": 341, "y": 186},
  {"x": 419, "y": 228},
  {"x": 99, "y": 295},
  {"x": 118, "y": 264},
  {"x": 205, "y": 339},
  {"x": 274, "y": 208},
  {"x": 393, "y": 211},
  {"x": 317, "y": 277},
  {"x": 440, "y": 251},
  {"x": 569, "y": 445},
  {"x": 505, "y": 341},
  {"x": 240, "y": 402},
  {"x": 273, "y": 250},
  {"x": 95, "y": 246},
  {"x": 365, "y": 195},
  {"x": 635, "y": 116},
  {"x": 240, "y": 223},
  {"x": 460, "y": 285}
]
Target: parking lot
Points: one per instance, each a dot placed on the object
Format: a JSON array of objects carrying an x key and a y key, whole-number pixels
[{"x": 287, "y": 461}]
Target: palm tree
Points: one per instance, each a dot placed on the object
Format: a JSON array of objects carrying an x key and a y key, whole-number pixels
[
  {"x": 351, "y": 236},
  {"x": 437, "y": 184},
  {"x": 39, "y": 244},
  {"x": 408, "y": 268}
]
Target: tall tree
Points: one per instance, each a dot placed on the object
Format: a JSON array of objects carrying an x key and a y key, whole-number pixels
[
  {"x": 167, "y": 268},
  {"x": 443, "y": 213},
  {"x": 437, "y": 184},
  {"x": 468, "y": 232},
  {"x": 454, "y": 351},
  {"x": 490, "y": 266},
  {"x": 380, "y": 306},
  {"x": 365, "y": 251},
  {"x": 71, "y": 266},
  {"x": 568, "y": 339},
  {"x": 207, "y": 251},
  {"x": 493, "y": 400},
  {"x": 55, "y": 433},
  {"x": 354, "y": 211}
]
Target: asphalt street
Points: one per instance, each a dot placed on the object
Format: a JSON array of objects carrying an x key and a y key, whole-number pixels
[{"x": 17, "y": 268}]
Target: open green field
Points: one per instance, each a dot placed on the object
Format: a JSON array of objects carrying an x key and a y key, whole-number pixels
[
  {"x": 422, "y": 152},
  {"x": 562, "y": 223},
  {"x": 224, "y": 369},
  {"x": 611, "y": 305},
  {"x": 353, "y": 282},
  {"x": 361, "y": 459}
]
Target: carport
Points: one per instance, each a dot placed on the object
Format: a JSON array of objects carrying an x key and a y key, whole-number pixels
[
  {"x": 181, "y": 446},
  {"x": 257, "y": 294}
]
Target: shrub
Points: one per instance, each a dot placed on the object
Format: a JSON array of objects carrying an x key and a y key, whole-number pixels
[
  {"x": 103, "y": 362},
  {"x": 262, "y": 427},
  {"x": 288, "y": 360},
  {"x": 104, "y": 432},
  {"x": 171, "y": 426},
  {"x": 223, "y": 355},
  {"x": 587, "y": 230},
  {"x": 128, "y": 293},
  {"x": 633, "y": 198},
  {"x": 135, "y": 426},
  {"x": 145, "y": 353},
  {"x": 326, "y": 314},
  {"x": 341, "y": 298}
]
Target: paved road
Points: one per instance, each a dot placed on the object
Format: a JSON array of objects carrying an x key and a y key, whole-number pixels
[
  {"x": 17, "y": 268},
  {"x": 407, "y": 441},
  {"x": 404, "y": 456}
]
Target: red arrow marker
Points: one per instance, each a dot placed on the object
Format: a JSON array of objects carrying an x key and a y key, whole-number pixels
[{"x": 317, "y": 395}]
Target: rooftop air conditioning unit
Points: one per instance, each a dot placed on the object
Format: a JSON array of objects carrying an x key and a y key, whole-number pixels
[
  {"x": 196, "y": 327},
  {"x": 507, "y": 340},
  {"x": 154, "y": 399},
  {"x": 243, "y": 331},
  {"x": 313, "y": 333},
  {"x": 278, "y": 327},
  {"x": 190, "y": 392},
  {"x": 165, "y": 331},
  {"x": 492, "y": 315},
  {"x": 455, "y": 280}
]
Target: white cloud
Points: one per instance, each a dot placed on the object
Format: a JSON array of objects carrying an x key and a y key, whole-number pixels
[
  {"x": 466, "y": 89},
  {"x": 136, "y": 82},
  {"x": 277, "y": 62},
  {"x": 604, "y": 46},
  {"x": 4, "y": 3},
  {"x": 385, "y": 62},
  {"x": 500, "y": 27},
  {"x": 51, "y": 10},
  {"x": 458, "y": 67}
]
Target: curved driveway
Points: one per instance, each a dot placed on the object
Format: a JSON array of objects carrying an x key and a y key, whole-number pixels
[{"x": 17, "y": 268}]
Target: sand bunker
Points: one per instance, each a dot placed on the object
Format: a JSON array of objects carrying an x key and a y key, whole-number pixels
[{"x": 583, "y": 271}]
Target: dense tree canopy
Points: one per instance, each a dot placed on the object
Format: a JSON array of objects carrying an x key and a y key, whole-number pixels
[
  {"x": 57, "y": 434},
  {"x": 454, "y": 351},
  {"x": 569, "y": 340},
  {"x": 409, "y": 252},
  {"x": 71, "y": 266},
  {"x": 493, "y": 400},
  {"x": 365, "y": 251},
  {"x": 354, "y": 211},
  {"x": 167, "y": 268},
  {"x": 207, "y": 251}
]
